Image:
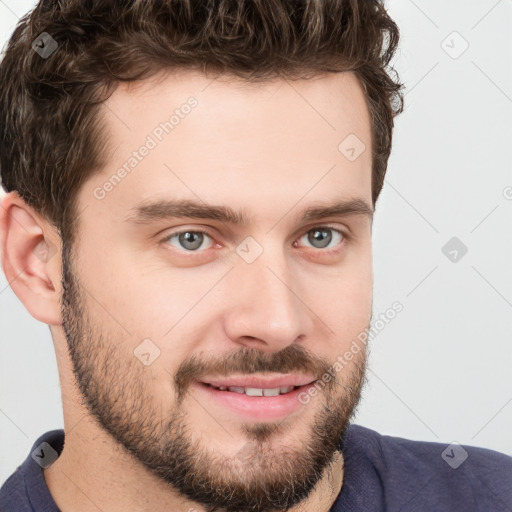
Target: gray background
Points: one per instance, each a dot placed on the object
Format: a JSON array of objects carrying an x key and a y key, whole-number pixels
[{"x": 441, "y": 369}]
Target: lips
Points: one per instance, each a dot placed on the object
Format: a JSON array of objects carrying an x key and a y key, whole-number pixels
[{"x": 254, "y": 397}]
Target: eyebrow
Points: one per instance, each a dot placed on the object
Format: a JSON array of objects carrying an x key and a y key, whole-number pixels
[{"x": 147, "y": 212}]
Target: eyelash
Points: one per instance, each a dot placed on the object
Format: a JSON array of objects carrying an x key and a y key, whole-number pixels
[{"x": 344, "y": 236}]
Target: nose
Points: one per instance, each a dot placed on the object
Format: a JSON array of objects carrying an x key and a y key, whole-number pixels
[{"x": 267, "y": 308}]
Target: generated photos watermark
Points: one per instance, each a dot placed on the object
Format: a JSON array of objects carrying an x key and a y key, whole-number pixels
[
  {"x": 355, "y": 347},
  {"x": 152, "y": 140}
]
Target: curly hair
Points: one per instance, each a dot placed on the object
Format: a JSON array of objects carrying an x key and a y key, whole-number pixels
[{"x": 51, "y": 135}]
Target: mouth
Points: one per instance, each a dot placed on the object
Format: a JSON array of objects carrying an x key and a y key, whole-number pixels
[
  {"x": 256, "y": 391},
  {"x": 255, "y": 397}
]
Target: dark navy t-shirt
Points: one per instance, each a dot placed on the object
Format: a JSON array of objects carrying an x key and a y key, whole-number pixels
[{"x": 382, "y": 473}]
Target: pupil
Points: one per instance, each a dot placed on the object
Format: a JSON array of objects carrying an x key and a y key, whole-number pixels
[
  {"x": 188, "y": 238},
  {"x": 323, "y": 236}
]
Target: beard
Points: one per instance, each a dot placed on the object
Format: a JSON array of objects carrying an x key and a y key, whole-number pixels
[{"x": 261, "y": 477}]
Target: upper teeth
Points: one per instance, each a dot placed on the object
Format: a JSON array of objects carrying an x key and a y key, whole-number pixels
[{"x": 258, "y": 391}]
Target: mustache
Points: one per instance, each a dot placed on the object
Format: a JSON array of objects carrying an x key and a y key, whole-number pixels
[{"x": 292, "y": 359}]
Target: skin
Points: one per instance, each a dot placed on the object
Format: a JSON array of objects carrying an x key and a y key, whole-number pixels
[{"x": 270, "y": 149}]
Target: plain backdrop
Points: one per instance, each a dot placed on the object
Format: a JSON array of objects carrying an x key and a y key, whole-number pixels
[{"x": 441, "y": 370}]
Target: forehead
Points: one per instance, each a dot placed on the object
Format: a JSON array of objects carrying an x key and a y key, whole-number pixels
[{"x": 226, "y": 141}]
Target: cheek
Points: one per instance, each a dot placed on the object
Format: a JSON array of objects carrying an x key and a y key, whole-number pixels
[
  {"x": 344, "y": 300},
  {"x": 141, "y": 292},
  {"x": 141, "y": 297}
]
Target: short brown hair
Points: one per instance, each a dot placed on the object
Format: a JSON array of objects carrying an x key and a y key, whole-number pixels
[{"x": 51, "y": 137}]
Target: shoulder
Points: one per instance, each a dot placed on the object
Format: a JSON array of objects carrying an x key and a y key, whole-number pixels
[
  {"x": 26, "y": 490},
  {"x": 13, "y": 495},
  {"x": 441, "y": 455},
  {"x": 447, "y": 476}
]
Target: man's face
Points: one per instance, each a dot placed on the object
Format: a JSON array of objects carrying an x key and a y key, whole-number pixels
[{"x": 170, "y": 334}]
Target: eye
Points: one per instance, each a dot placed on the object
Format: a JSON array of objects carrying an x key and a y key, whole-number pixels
[
  {"x": 321, "y": 236},
  {"x": 188, "y": 240}
]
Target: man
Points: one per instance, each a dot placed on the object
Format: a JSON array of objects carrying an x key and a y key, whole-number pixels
[{"x": 191, "y": 188}]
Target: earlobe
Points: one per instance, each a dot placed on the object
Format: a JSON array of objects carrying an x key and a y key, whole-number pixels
[{"x": 30, "y": 261}]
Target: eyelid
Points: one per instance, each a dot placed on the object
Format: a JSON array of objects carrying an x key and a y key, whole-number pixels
[{"x": 345, "y": 232}]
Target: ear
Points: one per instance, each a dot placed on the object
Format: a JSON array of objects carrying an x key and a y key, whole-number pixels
[{"x": 29, "y": 249}]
